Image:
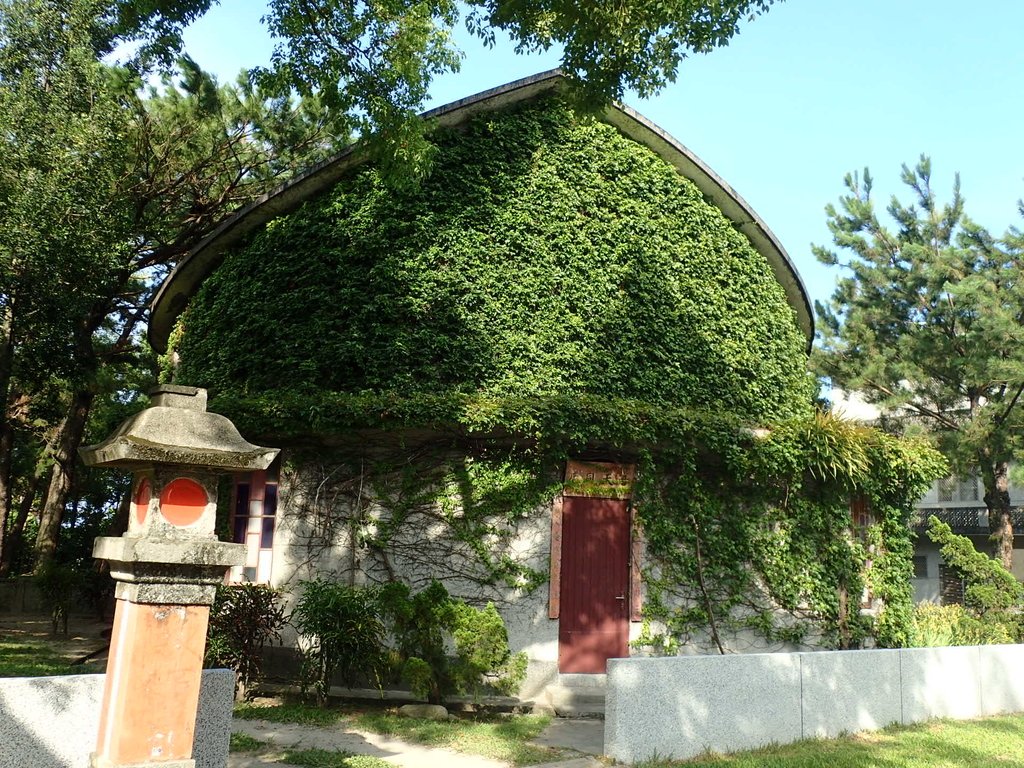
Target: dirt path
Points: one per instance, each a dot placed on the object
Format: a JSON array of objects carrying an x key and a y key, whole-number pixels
[{"x": 339, "y": 738}]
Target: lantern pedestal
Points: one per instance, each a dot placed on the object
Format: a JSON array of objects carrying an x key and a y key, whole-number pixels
[{"x": 167, "y": 567}]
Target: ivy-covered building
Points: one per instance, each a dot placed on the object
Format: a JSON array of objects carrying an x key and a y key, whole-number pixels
[{"x": 565, "y": 372}]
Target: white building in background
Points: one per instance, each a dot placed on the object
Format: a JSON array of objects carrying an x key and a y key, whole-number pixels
[{"x": 957, "y": 501}]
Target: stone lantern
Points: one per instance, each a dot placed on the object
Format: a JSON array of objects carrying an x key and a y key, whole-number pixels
[{"x": 167, "y": 567}]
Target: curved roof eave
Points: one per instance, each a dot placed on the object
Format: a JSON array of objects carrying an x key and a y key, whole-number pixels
[{"x": 185, "y": 279}]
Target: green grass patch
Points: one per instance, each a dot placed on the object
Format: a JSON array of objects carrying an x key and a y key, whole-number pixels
[
  {"x": 322, "y": 758},
  {"x": 996, "y": 742},
  {"x": 243, "y": 742},
  {"x": 496, "y": 738},
  {"x": 290, "y": 712},
  {"x": 31, "y": 658}
]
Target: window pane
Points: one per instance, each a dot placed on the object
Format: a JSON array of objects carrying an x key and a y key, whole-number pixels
[
  {"x": 270, "y": 501},
  {"x": 241, "y": 523},
  {"x": 242, "y": 499},
  {"x": 267, "y": 539},
  {"x": 969, "y": 489}
]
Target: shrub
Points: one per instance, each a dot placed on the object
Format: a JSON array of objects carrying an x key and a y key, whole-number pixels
[
  {"x": 482, "y": 652},
  {"x": 342, "y": 632},
  {"x": 243, "y": 619},
  {"x": 940, "y": 625},
  {"x": 988, "y": 586},
  {"x": 420, "y": 624}
]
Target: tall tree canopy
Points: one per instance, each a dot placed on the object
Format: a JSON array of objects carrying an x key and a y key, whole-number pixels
[
  {"x": 104, "y": 184},
  {"x": 928, "y": 323}
]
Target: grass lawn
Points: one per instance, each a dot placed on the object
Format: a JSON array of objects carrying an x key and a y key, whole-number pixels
[
  {"x": 498, "y": 738},
  {"x": 36, "y": 658},
  {"x": 996, "y": 742}
]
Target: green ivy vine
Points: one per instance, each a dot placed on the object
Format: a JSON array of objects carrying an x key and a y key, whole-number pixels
[{"x": 554, "y": 289}]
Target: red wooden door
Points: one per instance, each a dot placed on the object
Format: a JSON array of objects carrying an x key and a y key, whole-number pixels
[{"x": 593, "y": 619}]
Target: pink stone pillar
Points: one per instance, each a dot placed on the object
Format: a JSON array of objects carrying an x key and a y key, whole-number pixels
[{"x": 167, "y": 567}]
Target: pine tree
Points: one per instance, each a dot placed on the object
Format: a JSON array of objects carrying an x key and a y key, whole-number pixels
[{"x": 927, "y": 324}]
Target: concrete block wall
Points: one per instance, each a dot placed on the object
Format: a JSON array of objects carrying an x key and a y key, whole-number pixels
[
  {"x": 685, "y": 705},
  {"x": 52, "y": 722}
]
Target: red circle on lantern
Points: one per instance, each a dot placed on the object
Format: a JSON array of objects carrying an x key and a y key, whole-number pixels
[
  {"x": 140, "y": 500},
  {"x": 182, "y": 501}
]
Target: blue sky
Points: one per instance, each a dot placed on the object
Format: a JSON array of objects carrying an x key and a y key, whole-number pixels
[{"x": 801, "y": 96}]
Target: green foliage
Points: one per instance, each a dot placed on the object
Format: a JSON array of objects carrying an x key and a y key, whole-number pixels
[
  {"x": 373, "y": 64},
  {"x": 755, "y": 534},
  {"x": 942, "y": 625},
  {"x": 241, "y": 742},
  {"x": 481, "y": 651},
  {"x": 104, "y": 184},
  {"x": 243, "y": 619},
  {"x": 323, "y": 758},
  {"x": 342, "y": 633},
  {"x": 989, "y": 742},
  {"x": 420, "y": 623},
  {"x": 927, "y": 325},
  {"x": 503, "y": 739},
  {"x": 545, "y": 257},
  {"x": 420, "y": 678},
  {"x": 32, "y": 658},
  {"x": 290, "y": 712},
  {"x": 552, "y": 288},
  {"x": 988, "y": 587}
]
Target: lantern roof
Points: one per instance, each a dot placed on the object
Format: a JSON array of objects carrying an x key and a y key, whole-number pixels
[{"x": 177, "y": 429}]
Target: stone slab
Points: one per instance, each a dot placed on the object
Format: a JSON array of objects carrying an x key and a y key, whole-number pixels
[
  {"x": 940, "y": 682},
  {"x": 680, "y": 707},
  {"x": 849, "y": 691},
  {"x": 52, "y": 722},
  {"x": 1002, "y": 684}
]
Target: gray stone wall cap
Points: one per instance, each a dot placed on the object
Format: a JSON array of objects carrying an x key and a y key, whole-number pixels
[
  {"x": 203, "y": 552},
  {"x": 163, "y": 434}
]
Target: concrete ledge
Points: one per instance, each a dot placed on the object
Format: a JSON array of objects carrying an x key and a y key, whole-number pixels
[
  {"x": 828, "y": 678},
  {"x": 52, "y": 722},
  {"x": 1002, "y": 684},
  {"x": 682, "y": 706},
  {"x": 941, "y": 682}
]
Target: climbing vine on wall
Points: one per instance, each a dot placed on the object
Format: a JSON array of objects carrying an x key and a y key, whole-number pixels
[
  {"x": 432, "y": 511},
  {"x": 435, "y": 354}
]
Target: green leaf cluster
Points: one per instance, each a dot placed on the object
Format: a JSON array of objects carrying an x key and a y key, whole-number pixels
[
  {"x": 926, "y": 322},
  {"x": 243, "y": 619},
  {"x": 545, "y": 255},
  {"x": 552, "y": 288},
  {"x": 343, "y": 632},
  {"x": 988, "y": 587}
]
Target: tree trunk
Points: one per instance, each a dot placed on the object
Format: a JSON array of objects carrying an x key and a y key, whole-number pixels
[
  {"x": 6, "y": 448},
  {"x": 6, "y": 431},
  {"x": 63, "y": 452},
  {"x": 14, "y": 541},
  {"x": 995, "y": 476}
]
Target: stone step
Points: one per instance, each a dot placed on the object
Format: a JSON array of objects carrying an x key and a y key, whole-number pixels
[{"x": 578, "y": 695}]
